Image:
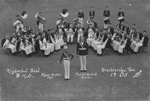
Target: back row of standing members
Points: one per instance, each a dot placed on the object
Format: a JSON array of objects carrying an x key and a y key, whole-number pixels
[
  {"x": 106, "y": 15},
  {"x": 18, "y": 22}
]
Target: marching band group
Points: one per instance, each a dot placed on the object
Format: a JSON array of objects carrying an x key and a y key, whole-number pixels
[{"x": 122, "y": 38}]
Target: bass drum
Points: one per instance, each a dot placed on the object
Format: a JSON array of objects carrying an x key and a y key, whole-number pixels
[{"x": 106, "y": 20}]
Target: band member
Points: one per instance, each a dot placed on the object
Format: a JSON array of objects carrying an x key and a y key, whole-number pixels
[
  {"x": 18, "y": 23},
  {"x": 59, "y": 22},
  {"x": 122, "y": 44},
  {"x": 116, "y": 41},
  {"x": 32, "y": 38},
  {"x": 106, "y": 15},
  {"x": 136, "y": 44},
  {"x": 103, "y": 43},
  {"x": 82, "y": 51},
  {"x": 62, "y": 23},
  {"x": 106, "y": 12},
  {"x": 108, "y": 44},
  {"x": 140, "y": 35},
  {"x": 38, "y": 43},
  {"x": 92, "y": 13},
  {"x": 66, "y": 57},
  {"x": 110, "y": 29},
  {"x": 80, "y": 32},
  {"x": 91, "y": 35},
  {"x": 127, "y": 29},
  {"x": 44, "y": 39},
  {"x": 60, "y": 36},
  {"x": 95, "y": 24},
  {"x": 46, "y": 46},
  {"x": 80, "y": 17},
  {"x": 145, "y": 39},
  {"x": 70, "y": 34},
  {"x": 5, "y": 42},
  {"x": 40, "y": 21},
  {"x": 98, "y": 37},
  {"x": 50, "y": 43},
  {"x": 121, "y": 15},
  {"x": 55, "y": 40},
  {"x": 29, "y": 31},
  {"x": 13, "y": 39},
  {"x": 19, "y": 43},
  {"x": 24, "y": 32},
  {"x": 128, "y": 44},
  {"x": 121, "y": 27}
]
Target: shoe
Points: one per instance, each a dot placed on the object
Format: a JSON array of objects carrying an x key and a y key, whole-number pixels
[
  {"x": 81, "y": 70},
  {"x": 84, "y": 70}
]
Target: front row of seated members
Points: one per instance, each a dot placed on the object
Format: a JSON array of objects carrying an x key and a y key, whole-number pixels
[
  {"x": 138, "y": 42},
  {"x": 121, "y": 42},
  {"x": 28, "y": 44},
  {"x": 130, "y": 42},
  {"x": 120, "y": 39},
  {"x": 101, "y": 40},
  {"x": 104, "y": 43}
]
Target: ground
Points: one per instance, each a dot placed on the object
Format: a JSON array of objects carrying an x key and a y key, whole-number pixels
[{"x": 102, "y": 86}]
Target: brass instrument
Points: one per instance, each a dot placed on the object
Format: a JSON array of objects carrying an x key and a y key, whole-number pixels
[{"x": 64, "y": 13}]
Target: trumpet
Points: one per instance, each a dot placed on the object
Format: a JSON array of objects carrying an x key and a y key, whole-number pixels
[{"x": 89, "y": 22}]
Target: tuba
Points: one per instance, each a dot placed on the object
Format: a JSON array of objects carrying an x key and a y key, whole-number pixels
[
  {"x": 64, "y": 13},
  {"x": 24, "y": 15}
]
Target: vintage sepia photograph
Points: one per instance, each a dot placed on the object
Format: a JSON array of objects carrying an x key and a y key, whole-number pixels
[{"x": 74, "y": 50}]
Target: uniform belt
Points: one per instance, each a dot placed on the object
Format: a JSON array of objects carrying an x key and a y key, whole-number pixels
[
  {"x": 66, "y": 59},
  {"x": 82, "y": 48}
]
